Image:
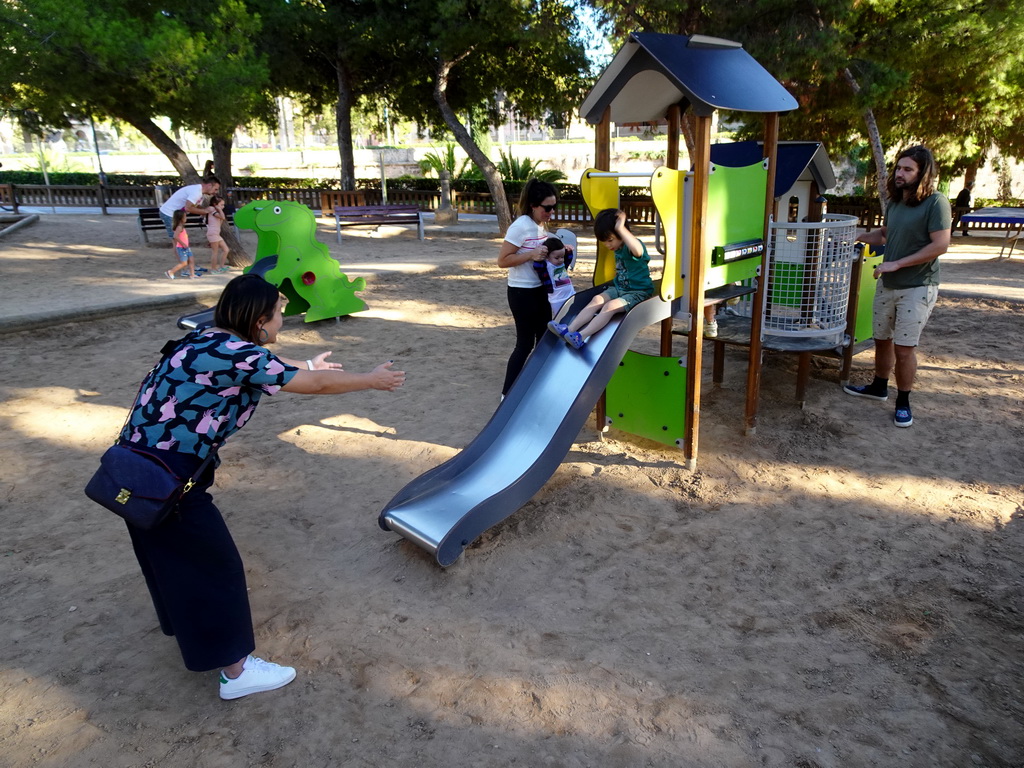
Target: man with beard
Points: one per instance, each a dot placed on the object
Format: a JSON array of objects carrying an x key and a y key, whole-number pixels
[{"x": 915, "y": 234}]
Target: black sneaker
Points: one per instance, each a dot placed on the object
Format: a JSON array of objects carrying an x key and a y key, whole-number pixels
[
  {"x": 865, "y": 391},
  {"x": 903, "y": 418}
]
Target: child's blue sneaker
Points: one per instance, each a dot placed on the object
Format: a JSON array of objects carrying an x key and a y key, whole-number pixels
[
  {"x": 574, "y": 340},
  {"x": 558, "y": 328}
]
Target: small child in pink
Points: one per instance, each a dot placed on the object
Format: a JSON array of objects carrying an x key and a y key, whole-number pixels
[
  {"x": 185, "y": 257},
  {"x": 219, "y": 249}
]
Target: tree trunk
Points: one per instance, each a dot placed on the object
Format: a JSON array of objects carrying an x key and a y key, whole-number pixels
[
  {"x": 237, "y": 255},
  {"x": 971, "y": 173},
  {"x": 222, "y": 161},
  {"x": 165, "y": 144},
  {"x": 875, "y": 139},
  {"x": 686, "y": 122},
  {"x": 490, "y": 173},
  {"x": 343, "y": 122}
]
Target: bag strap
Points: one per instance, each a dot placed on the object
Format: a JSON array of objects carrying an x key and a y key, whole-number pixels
[{"x": 199, "y": 472}]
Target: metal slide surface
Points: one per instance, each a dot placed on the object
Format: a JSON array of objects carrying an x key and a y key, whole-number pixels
[{"x": 522, "y": 445}]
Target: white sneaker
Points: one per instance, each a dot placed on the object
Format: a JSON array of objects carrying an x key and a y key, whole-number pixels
[
  {"x": 257, "y": 676},
  {"x": 711, "y": 330}
]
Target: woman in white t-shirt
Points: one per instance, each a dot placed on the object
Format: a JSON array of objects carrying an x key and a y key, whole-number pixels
[{"x": 527, "y": 298}]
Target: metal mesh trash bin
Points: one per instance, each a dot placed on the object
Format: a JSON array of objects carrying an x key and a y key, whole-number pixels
[{"x": 809, "y": 267}]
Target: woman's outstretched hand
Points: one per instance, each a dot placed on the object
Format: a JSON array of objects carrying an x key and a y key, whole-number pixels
[
  {"x": 320, "y": 363},
  {"x": 386, "y": 379}
]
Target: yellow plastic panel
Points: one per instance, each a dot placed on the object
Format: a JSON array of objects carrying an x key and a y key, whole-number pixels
[
  {"x": 598, "y": 194},
  {"x": 667, "y": 192}
]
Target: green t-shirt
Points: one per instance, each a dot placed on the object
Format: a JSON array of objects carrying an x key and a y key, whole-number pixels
[
  {"x": 632, "y": 273},
  {"x": 908, "y": 230}
]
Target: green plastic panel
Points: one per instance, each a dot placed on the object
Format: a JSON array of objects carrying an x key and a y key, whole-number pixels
[
  {"x": 733, "y": 272},
  {"x": 647, "y": 397},
  {"x": 865, "y": 297},
  {"x": 735, "y": 213},
  {"x": 736, "y": 204}
]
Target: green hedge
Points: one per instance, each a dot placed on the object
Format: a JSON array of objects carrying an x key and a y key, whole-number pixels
[
  {"x": 87, "y": 179},
  {"x": 1010, "y": 202}
]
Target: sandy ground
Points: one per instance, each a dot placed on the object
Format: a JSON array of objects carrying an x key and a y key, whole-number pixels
[{"x": 832, "y": 591}]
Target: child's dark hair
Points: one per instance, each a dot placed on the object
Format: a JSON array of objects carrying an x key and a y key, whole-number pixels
[
  {"x": 216, "y": 199},
  {"x": 604, "y": 224},
  {"x": 553, "y": 244},
  {"x": 534, "y": 193},
  {"x": 178, "y": 218},
  {"x": 246, "y": 300}
]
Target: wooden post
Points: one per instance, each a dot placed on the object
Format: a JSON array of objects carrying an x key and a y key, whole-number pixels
[
  {"x": 603, "y": 141},
  {"x": 701, "y": 174},
  {"x": 771, "y": 151},
  {"x": 671, "y": 161},
  {"x": 672, "y": 155},
  {"x": 602, "y": 161},
  {"x": 851, "y": 317}
]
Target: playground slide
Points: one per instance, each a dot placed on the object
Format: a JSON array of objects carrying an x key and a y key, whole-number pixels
[{"x": 529, "y": 435}]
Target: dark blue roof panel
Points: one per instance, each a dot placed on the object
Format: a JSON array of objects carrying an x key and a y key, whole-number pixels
[
  {"x": 793, "y": 159},
  {"x": 653, "y": 71}
]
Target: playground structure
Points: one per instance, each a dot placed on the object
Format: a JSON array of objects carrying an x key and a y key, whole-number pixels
[
  {"x": 305, "y": 271},
  {"x": 289, "y": 256},
  {"x": 722, "y": 230},
  {"x": 716, "y": 221}
]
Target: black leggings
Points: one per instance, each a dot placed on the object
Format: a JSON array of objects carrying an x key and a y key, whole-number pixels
[{"x": 531, "y": 312}]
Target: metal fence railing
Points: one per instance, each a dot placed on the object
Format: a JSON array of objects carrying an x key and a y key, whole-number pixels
[{"x": 639, "y": 210}]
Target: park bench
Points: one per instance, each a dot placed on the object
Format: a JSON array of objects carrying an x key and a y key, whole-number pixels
[
  {"x": 150, "y": 221},
  {"x": 8, "y": 201},
  {"x": 375, "y": 215}
]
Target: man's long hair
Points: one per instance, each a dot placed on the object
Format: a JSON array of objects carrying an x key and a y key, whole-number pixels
[{"x": 925, "y": 183}]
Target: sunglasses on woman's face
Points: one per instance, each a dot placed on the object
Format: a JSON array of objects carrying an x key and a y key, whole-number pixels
[{"x": 547, "y": 208}]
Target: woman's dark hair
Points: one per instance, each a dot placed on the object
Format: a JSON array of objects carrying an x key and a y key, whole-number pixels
[
  {"x": 246, "y": 300},
  {"x": 926, "y": 182},
  {"x": 604, "y": 224},
  {"x": 534, "y": 193}
]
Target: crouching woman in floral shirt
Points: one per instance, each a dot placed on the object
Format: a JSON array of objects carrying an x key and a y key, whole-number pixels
[{"x": 206, "y": 388}]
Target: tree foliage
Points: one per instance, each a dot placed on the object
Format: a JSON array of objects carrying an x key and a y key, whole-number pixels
[
  {"x": 134, "y": 61},
  {"x": 463, "y": 56},
  {"x": 523, "y": 169},
  {"x": 947, "y": 74}
]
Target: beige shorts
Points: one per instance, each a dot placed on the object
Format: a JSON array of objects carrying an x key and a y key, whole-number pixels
[{"x": 900, "y": 314}]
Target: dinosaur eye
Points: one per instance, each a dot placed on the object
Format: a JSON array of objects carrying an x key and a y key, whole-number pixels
[{"x": 277, "y": 210}]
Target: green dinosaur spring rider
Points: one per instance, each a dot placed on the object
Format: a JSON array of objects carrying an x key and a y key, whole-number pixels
[{"x": 305, "y": 272}]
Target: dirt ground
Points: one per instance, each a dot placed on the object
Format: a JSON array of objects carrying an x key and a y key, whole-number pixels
[{"x": 829, "y": 592}]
